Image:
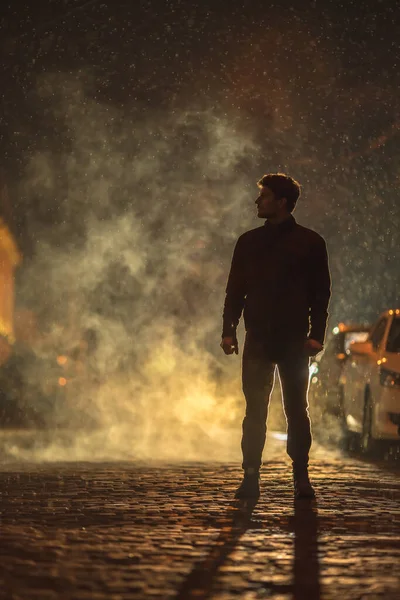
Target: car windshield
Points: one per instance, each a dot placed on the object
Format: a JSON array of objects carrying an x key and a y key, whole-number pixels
[{"x": 393, "y": 343}]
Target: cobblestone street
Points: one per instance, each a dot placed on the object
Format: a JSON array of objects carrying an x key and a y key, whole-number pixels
[{"x": 132, "y": 530}]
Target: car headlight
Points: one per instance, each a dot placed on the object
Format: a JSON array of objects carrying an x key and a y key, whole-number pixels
[{"x": 313, "y": 368}]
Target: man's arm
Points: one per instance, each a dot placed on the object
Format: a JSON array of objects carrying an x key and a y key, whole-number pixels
[
  {"x": 320, "y": 292},
  {"x": 235, "y": 294}
]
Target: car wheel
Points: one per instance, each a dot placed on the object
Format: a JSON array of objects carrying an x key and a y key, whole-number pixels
[
  {"x": 368, "y": 443},
  {"x": 350, "y": 441}
]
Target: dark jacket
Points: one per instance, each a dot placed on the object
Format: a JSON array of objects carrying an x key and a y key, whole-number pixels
[{"x": 280, "y": 278}]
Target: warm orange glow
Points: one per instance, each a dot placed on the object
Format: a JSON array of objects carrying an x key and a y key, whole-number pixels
[
  {"x": 62, "y": 381},
  {"x": 62, "y": 360}
]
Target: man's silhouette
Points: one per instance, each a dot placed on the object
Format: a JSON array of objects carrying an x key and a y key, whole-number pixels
[{"x": 280, "y": 279}]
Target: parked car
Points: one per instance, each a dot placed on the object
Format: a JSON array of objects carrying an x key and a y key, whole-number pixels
[
  {"x": 370, "y": 384},
  {"x": 325, "y": 372}
]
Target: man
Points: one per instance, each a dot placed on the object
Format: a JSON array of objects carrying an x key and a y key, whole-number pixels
[{"x": 280, "y": 278}]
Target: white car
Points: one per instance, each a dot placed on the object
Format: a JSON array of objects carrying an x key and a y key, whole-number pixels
[
  {"x": 325, "y": 372},
  {"x": 370, "y": 384}
]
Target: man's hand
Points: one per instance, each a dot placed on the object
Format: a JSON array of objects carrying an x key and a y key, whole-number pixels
[
  {"x": 230, "y": 345},
  {"x": 312, "y": 347}
]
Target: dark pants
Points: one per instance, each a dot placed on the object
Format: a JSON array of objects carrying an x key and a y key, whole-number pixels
[{"x": 259, "y": 364}]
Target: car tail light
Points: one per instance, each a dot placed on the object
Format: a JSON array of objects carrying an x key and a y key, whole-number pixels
[{"x": 389, "y": 378}]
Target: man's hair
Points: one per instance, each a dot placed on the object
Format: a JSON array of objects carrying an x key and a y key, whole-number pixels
[{"x": 282, "y": 186}]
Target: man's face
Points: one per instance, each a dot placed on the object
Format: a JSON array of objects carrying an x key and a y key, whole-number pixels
[{"x": 268, "y": 206}]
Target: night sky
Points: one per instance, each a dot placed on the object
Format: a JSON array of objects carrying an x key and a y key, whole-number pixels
[
  {"x": 337, "y": 61},
  {"x": 313, "y": 85}
]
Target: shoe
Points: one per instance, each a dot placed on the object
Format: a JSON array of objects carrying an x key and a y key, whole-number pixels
[
  {"x": 250, "y": 486},
  {"x": 302, "y": 484}
]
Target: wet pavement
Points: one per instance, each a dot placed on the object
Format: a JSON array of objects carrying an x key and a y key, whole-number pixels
[{"x": 121, "y": 530}]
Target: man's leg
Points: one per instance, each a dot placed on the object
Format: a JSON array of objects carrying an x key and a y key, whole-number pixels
[
  {"x": 258, "y": 380},
  {"x": 294, "y": 376}
]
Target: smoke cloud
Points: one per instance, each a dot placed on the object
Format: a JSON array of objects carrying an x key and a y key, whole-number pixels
[
  {"x": 129, "y": 283},
  {"x": 127, "y": 280},
  {"x": 136, "y": 184}
]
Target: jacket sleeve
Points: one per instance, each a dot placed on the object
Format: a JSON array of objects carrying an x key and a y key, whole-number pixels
[
  {"x": 319, "y": 292},
  {"x": 235, "y": 293}
]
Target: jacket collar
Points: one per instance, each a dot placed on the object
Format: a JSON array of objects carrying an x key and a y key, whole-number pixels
[{"x": 286, "y": 225}]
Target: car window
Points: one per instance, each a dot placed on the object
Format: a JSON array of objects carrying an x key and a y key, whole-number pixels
[
  {"x": 378, "y": 333},
  {"x": 393, "y": 343}
]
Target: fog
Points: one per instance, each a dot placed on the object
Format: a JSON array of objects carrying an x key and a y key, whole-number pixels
[
  {"x": 127, "y": 278},
  {"x": 139, "y": 257}
]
